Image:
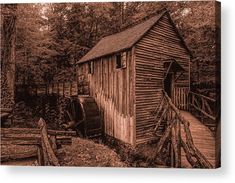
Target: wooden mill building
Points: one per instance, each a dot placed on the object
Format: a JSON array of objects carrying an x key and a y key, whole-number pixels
[{"x": 127, "y": 71}]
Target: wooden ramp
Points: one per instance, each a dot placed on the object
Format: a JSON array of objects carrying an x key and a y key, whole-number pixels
[{"x": 202, "y": 138}]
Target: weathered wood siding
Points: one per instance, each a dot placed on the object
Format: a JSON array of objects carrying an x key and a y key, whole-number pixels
[
  {"x": 113, "y": 90},
  {"x": 159, "y": 44}
]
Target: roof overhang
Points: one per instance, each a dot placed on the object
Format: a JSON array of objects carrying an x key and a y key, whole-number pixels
[{"x": 172, "y": 65}]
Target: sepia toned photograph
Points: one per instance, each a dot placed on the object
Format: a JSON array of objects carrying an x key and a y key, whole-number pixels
[{"x": 111, "y": 84}]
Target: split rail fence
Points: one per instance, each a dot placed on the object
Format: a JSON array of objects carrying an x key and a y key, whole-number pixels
[{"x": 43, "y": 142}]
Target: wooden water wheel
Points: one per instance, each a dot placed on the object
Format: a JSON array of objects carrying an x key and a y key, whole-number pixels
[{"x": 82, "y": 115}]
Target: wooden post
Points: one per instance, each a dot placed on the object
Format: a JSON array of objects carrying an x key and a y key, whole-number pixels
[
  {"x": 53, "y": 142},
  {"x": 40, "y": 156},
  {"x": 178, "y": 140},
  {"x": 188, "y": 155},
  {"x": 172, "y": 153},
  {"x": 163, "y": 139},
  {"x": 47, "y": 148},
  {"x": 44, "y": 154},
  {"x": 176, "y": 150}
]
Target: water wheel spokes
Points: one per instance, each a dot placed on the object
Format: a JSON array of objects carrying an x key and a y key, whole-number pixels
[{"x": 71, "y": 117}]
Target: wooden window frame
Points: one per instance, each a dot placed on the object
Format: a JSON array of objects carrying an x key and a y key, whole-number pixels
[
  {"x": 118, "y": 61},
  {"x": 121, "y": 59},
  {"x": 91, "y": 67}
]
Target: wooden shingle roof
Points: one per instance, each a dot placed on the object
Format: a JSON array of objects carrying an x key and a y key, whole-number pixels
[{"x": 120, "y": 41}]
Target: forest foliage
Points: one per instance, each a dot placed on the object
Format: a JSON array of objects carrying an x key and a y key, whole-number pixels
[{"x": 51, "y": 38}]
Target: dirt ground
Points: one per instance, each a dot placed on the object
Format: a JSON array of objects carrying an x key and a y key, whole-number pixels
[{"x": 86, "y": 153}]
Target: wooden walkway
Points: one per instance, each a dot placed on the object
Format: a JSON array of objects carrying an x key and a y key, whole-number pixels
[{"x": 202, "y": 137}]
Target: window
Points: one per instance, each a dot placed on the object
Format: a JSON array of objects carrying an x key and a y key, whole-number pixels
[
  {"x": 91, "y": 67},
  {"x": 121, "y": 60},
  {"x": 118, "y": 61}
]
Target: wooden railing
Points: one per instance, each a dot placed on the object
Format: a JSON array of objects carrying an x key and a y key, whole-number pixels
[
  {"x": 203, "y": 104},
  {"x": 42, "y": 142},
  {"x": 168, "y": 115},
  {"x": 180, "y": 98}
]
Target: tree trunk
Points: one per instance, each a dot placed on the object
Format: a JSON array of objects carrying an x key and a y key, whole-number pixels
[{"x": 8, "y": 37}]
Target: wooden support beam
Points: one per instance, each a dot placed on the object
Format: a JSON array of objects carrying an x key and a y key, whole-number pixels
[
  {"x": 178, "y": 141},
  {"x": 161, "y": 118},
  {"x": 193, "y": 150},
  {"x": 175, "y": 158},
  {"x": 189, "y": 156},
  {"x": 163, "y": 139}
]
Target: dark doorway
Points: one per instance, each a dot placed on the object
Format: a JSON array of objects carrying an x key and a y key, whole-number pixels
[{"x": 168, "y": 84}]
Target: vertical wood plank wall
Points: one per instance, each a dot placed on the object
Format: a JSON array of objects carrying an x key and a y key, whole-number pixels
[
  {"x": 113, "y": 90},
  {"x": 158, "y": 45}
]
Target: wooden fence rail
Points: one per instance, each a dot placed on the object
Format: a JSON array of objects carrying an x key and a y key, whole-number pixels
[
  {"x": 203, "y": 104},
  {"x": 169, "y": 115},
  {"x": 44, "y": 143}
]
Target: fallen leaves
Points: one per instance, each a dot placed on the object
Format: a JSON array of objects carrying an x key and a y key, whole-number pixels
[{"x": 86, "y": 153}]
